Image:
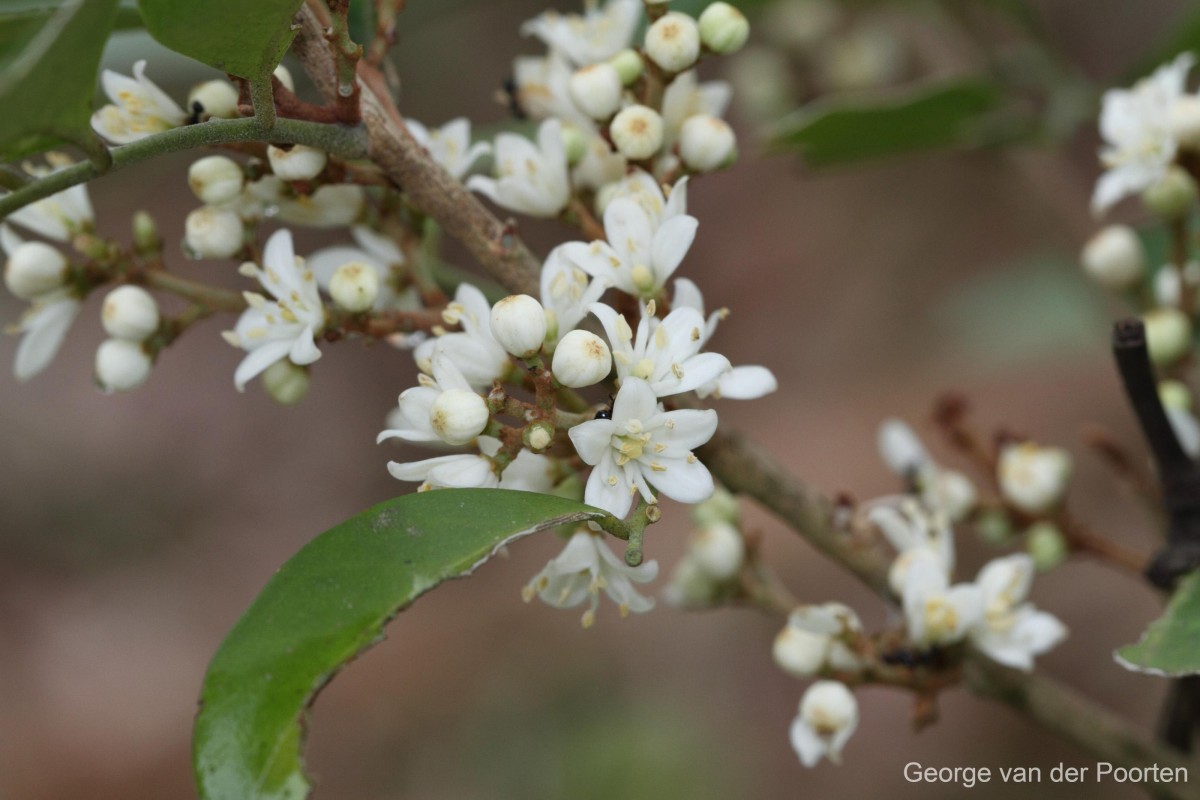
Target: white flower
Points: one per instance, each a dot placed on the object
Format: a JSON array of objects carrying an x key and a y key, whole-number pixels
[
  {"x": 585, "y": 567},
  {"x": 1011, "y": 630},
  {"x": 373, "y": 249},
  {"x": 673, "y": 41},
  {"x": 600, "y": 165},
  {"x": 935, "y": 612},
  {"x": 474, "y": 350},
  {"x": 643, "y": 249},
  {"x": 527, "y": 472},
  {"x": 129, "y": 312},
  {"x": 286, "y": 327},
  {"x": 43, "y": 328},
  {"x": 532, "y": 179},
  {"x": 122, "y": 365},
  {"x": 1136, "y": 126},
  {"x": 686, "y": 97},
  {"x": 581, "y": 359},
  {"x": 566, "y": 289},
  {"x": 643, "y": 446},
  {"x": 543, "y": 90},
  {"x": 815, "y": 638},
  {"x": 412, "y": 420},
  {"x": 596, "y": 35},
  {"x": 828, "y": 716},
  {"x": 450, "y": 145},
  {"x": 1033, "y": 478},
  {"x": 60, "y": 215},
  {"x": 665, "y": 353},
  {"x": 333, "y": 205},
  {"x": 943, "y": 491},
  {"x": 141, "y": 108},
  {"x": 737, "y": 383},
  {"x": 913, "y": 530}
]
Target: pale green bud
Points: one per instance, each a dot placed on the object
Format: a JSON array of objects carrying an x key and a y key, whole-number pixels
[
  {"x": 1173, "y": 195},
  {"x": 723, "y": 29},
  {"x": 1046, "y": 544},
  {"x": 286, "y": 383}
]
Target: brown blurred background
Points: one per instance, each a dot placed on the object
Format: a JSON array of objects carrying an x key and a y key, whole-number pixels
[{"x": 135, "y": 529}]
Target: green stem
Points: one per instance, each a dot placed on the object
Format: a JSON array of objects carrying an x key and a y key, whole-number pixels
[
  {"x": 336, "y": 139},
  {"x": 210, "y": 297},
  {"x": 262, "y": 96}
]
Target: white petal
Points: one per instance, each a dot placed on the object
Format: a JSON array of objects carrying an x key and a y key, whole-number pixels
[
  {"x": 257, "y": 360},
  {"x": 806, "y": 743},
  {"x": 747, "y": 383},
  {"x": 634, "y": 401},
  {"x": 592, "y": 439},
  {"x": 613, "y": 496},
  {"x": 671, "y": 243},
  {"x": 45, "y": 329},
  {"x": 682, "y": 481}
]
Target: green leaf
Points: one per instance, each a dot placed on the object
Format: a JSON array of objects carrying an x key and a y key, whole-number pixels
[
  {"x": 246, "y": 39},
  {"x": 843, "y": 130},
  {"x": 49, "y": 62},
  {"x": 328, "y": 604},
  {"x": 1170, "y": 647}
]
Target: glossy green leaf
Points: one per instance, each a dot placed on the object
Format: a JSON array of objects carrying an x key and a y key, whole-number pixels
[
  {"x": 842, "y": 130},
  {"x": 328, "y": 604},
  {"x": 49, "y": 62},
  {"x": 1170, "y": 647},
  {"x": 246, "y": 39}
]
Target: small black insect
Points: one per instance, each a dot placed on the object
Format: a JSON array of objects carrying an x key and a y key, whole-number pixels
[
  {"x": 513, "y": 94},
  {"x": 197, "y": 114},
  {"x": 606, "y": 412},
  {"x": 912, "y": 658}
]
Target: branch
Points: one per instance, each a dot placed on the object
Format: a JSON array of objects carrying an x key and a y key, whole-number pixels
[
  {"x": 336, "y": 139},
  {"x": 732, "y": 459}
]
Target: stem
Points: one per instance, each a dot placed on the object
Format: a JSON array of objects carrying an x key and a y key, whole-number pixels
[
  {"x": 210, "y": 297},
  {"x": 337, "y": 139},
  {"x": 262, "y": 95}
]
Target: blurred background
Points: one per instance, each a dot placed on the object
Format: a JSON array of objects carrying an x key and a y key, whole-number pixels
[{"x": 135, "y": 529}]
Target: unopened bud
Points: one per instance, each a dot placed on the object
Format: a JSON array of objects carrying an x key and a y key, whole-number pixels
[
  {"x": 145, "y": 233},
  {"x": 575, "y": 144},
  {"x": 721, "y": 508},
  {"x": 673, "y": 41},
  {"x": 121, "y": 365},
  {"x": 1046, "y": 544},
  {"x": 538, "y": 436},
  {"x": 1033, "y": 478},
  {"x": 596, "y": 90},
  {"x": 1184, "y": 121},
  {"x": 129, "y": 312},
  {"x": 1172, "y": 195},
  {"x": 994, "y": 527},
  {"x": 519, "y": 325},
  {"x": 1114, "y": 258},
  {"x": 707, "y": 143},
  {"x": 34, "y": 268},
  {"x": 216, "y": 179},
  {"x": 1175, "y": 394},
  {"x": 637, "y": 132},
  {"x": 719, "y": 550},
  {"x": 581, "y": 359},
  {"x": 458, "y": 416},
  {"x": 690, "y": 587},
  {"x": 723, "y": 29},
  {"x": 1168, "y": 335},
  {"x": 629, "y": 66},
  {"x": 354, "y": 287},
  {"x": 285, "y": 382},
  {"x": 213, "y": 233},
  {"x": 799, "y": 652},
  {"x": 296, "y": 163},
  {"x": 213, "y": 99}
]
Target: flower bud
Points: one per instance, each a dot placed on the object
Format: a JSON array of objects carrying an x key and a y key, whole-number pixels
[
  {"x": 285, "y": 77},
  {"x": 1175, "y": 394},
  {"x": 1033, "y": 478},
  {"x": 1114, "y": 258},
  {"x": 723, "y": 29},
  {"x": 721, "y": 508},
  {"x": 994, "y": 527},
  {"x": 285, "y": 382},
  {"x": 690, "y": 587},
  {"x": 519, "y": 325},
  {"x": 1184, "y": 121},
  {"x": 900, "y": 448},
  {"x": 213, "y": 233},
  {"x": 950, "y": 491},
  {"x": 213, "y": 99},
  {"x": 296, "y": 163},
  {"x": 575, "y": 144},
  {"x": 354, "y": 287},
  {"x": 596, "y": 90},
  {"x": 829, "y": 711},
  {"x": 707, "y": 143},
  {"x": 1168, "y": 335},
  {"x": 34, "y": 268},
  {"x": 1045, "y": 543},
  {"x": 129, "y": 312},
  {"x": 1172, "y": 195},
  {"x": 216, "y": 179},
  {"x": 538, "y": 436},
  {"x": 121, "y": 365},
  {"x": 673, "y": 41},
  {"x": 629, "y": 66},
  {"x": 581, "y": 359},
  {"x": 458, "y": 416},
  {"x": 637, "y": 132},
  {"x": 145, "y": 233},
  {"x": 799, "y": 652},
  {"x": 719, "y": 550}
]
